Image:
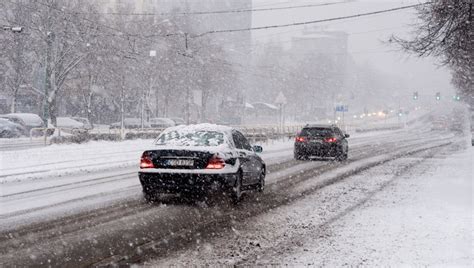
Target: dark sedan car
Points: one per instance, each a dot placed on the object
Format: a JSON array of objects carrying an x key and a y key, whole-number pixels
[
  {"x": 321, "y": 141},
  {"x": 199, "y": 158}
]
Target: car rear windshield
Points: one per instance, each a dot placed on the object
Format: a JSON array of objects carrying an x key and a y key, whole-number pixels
[
  {"x": 317, "y": 132},
  {"x": 197, "y": 138}
]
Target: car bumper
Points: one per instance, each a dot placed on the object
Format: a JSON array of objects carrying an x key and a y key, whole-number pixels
[
  {"x": 317, "y": 150},
  {"x": 186, "y": 182}
]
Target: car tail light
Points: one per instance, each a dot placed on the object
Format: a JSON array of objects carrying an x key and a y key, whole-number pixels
[
  {"x": 215, "y": 163},
  {"x": 145, "y": 161},
  {"x": 301, "y": 139},
  {"x": 330, "y": 140}
]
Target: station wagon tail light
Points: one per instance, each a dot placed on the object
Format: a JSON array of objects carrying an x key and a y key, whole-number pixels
[
  {"x": 215, "y": 163},
  {"x": 330, "y": 140},
  {"x": 300, "y": 139},
  {"x": 145, "y": 161}
]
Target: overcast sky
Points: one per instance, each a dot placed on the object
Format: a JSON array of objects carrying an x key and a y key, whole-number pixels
[{"x": 366, "y": 36}]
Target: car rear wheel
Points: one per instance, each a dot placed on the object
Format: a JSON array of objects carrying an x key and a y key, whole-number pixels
[
  {"x": 341, "y": 156},
  {"x": 236, "y": 192},
  {"x": 299, "y": 156},
  {"x": 261, "y": 183},
  {"x": 149, "y": 195}
]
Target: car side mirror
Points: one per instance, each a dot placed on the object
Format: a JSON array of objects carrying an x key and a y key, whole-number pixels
[
  {"x": 347, "y": 135},
  {"x": 257, "y": 148}
]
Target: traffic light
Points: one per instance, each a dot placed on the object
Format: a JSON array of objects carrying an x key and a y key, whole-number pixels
[
  {"x": 438, "y": 96},
  {"x": 415, "y": 95},
  {"x": 456, "y": 98}
]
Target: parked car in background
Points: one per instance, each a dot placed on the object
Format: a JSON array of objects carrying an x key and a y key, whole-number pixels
[
  {"x": 70, "y": 125},
  {"x": 130, "y": 123},
  {"x": 85, "y": 121},
  {"x": 199, "y": 158},
  {"x": 178, "y": 121},
  {"x": 321, "y": 141},
  {"x": 27, "y": 120},
  {"x": 9, "y": 129},
  {"x": 161, "y": 122}
]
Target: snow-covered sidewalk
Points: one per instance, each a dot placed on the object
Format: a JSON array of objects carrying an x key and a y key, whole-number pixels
[{"x": 423, "y": 218}]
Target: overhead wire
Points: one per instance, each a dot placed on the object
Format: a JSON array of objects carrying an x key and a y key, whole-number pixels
[
  {"x": 147, "y": 37},
  {"x": 312, "y": 21},
  {"x": 255, "y": 45},
  {"x": 229, "y": 11}
]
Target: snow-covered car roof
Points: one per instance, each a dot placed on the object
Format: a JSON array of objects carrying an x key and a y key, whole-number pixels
[
  {"x": 178, "y": 120},
  {"x": 28, "y": 119},
  {"x": 68, "y": 122},
  {"x": 131, "y": 121},
  {"x": 199, "y": 135},
  {"x": 161, "y": 120}
]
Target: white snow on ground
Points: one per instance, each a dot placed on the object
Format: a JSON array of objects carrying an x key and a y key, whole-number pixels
[
  {"x": 62, "y": 160},
  {"x": 408, "y": 212},
  {"x": 94, "y": 156},
  {"x": 71, "y": 158},
  {"x": 421, "y": 220},
  {"x": 65, "y": 179},
  {"x": 424, "y": 218}
]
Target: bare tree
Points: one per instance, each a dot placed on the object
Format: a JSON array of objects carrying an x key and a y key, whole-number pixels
[
  {"x": 16, "y": 52},
  {"x": 446, "y": 31}
]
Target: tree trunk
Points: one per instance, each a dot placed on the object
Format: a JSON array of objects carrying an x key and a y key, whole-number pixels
[
  {"x": 13, "y": 105},
  {"x": 52, "y": 109},
  {"x": 204, "y": 97}
]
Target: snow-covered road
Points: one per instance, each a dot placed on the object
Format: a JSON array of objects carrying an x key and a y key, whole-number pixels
[
  {"x": 96, "y": 207},
  {"x": 63, "y": 180},
  {"x": 414, "y": 211}
]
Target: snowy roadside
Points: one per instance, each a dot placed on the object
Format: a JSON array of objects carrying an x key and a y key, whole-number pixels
[
  {"x": 62, "y": 160},
  {"x": 414, "y": 211},
  {"x": 95, "y": 156},
  {"x": 425, "y": 218}
]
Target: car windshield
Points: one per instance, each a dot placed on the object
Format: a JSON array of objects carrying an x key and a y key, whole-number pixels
[
  {"x": 4, "y": 122},
  {"x": 317, "y": 132},
  {"x": 196, "y": 138}
]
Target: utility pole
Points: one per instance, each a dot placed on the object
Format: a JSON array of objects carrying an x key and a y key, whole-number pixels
[
  {"x": 188, "y": 90},
  {"x": 186, "y": 46},
  {"x": 17, "y": 71},
  {"x": 186, "y": 41},
  {"x": 122, "y": 110},
  {"x": 49, "y": 71}
]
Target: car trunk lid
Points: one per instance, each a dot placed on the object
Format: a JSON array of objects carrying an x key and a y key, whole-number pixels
[{"x": 179, "y": 159}]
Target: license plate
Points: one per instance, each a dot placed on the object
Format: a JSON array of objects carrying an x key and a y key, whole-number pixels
[{"x": 180, "y": 162}]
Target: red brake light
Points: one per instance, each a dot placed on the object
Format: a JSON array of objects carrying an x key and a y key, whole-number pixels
[
  {"x": 330, "y": 140},
  {"x": 300, "y": 139},
  {"x": 145, "y": 161},
  {"x": 215, "y": 163}
]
